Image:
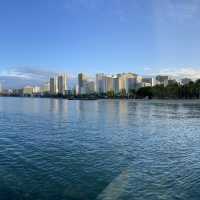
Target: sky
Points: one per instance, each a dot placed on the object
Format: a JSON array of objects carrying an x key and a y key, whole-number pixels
[{"x": 147, "y": 37}]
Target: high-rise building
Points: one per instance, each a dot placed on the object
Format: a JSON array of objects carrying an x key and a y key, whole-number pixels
[
  {"x": 52, "y": 85},
  {"x": 101, "y": 83},
  {"x": 122, "y": 82},
  {"x": 116, "y": 85},
  {"x": 131, "y": 84},
  {"x": 90, "y": 87},
  {"x": 85, "y": 85},
  {"x": 62, "y": 84},
  {"x": 109, "y": 83},
  {"x": 82, "y": 80},
  {"x": 65, "y": 84},
  {"x": 105, "y": 83},
  {"x": 127, "y": 81},
  {"x": 58, "y": 84}
]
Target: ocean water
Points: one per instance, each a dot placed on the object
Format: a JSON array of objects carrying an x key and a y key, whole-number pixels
[{"x": 55, "y": 149}]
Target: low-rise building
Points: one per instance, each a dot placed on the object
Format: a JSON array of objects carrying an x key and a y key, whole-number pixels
[
  {"x": 45, "y": 89},
  {"x": 149, "y": 81},
  {"x": 28, "y": 90},
  {"x": 162, "y": 80},
  {"x": 36, "y": 90}
]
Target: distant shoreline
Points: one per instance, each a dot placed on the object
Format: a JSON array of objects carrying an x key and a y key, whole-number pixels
[{"x": 99, "y": 98}]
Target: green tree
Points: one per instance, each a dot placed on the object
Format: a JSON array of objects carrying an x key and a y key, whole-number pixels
[
  {"x": 144, "y": 92},
  {"x": 123, "y": 93},
  {"x": 132, "y": 93},
  {"x": 111, "y": 94}
]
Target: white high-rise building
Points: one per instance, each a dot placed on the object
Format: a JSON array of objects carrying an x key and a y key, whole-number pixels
[
  {"x": 127, "y": 81},
  {"x": 109, "y": 83},
  {"x": 58, "y": 84},
  {"x": 105, "y": 83},
  {"x": 101, "y": 83}
]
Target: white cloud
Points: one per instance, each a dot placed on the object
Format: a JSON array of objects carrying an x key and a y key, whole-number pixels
[
  {"x": 13, "y": 73},
  {"x": 21, "y": 76},
  {"x": 189, "y": 72},
  {"x": 26, "y": 73}
]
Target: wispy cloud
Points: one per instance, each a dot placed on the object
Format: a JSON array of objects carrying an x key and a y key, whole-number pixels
[
  {"x": 189, "y": 72},
  {"x": 21, "y": 76},
  {"x": 175, "y": 10},
  {"x": 27, "y": 73}
]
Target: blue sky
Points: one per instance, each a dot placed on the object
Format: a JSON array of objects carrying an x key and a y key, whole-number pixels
[{"x": 111, "y": 36}]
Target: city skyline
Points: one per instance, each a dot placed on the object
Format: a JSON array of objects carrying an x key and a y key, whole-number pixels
[
  {"x": 59, "y": 84},
  {"x": 40, "y": 77},
  {"x": 123, "y": 85}
]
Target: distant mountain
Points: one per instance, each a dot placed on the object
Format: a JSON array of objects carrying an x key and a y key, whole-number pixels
[
  {"x": 18, "y": 78},
  {"x": 17, "y": 82}
]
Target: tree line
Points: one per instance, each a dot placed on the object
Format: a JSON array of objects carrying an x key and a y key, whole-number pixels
[{"x": 172, "y": 91}]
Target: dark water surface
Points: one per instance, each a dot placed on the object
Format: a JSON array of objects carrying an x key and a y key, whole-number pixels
[{"x": 53, "y": 149}]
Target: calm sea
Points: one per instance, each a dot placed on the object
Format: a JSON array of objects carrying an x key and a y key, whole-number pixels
[{"x": 54, "y": 149}]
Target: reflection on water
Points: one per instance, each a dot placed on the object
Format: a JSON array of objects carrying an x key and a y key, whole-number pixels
[{"x": 104, "y": 149}]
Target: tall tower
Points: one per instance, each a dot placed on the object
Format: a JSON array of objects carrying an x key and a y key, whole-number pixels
[
  {"x": 101, "y": 83},
  {"x": 62, "y": 84},
  {"x": 65, "y": 85},
  {"x": 82, "y": 79},
  {"x": 53, "y": 85}
]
